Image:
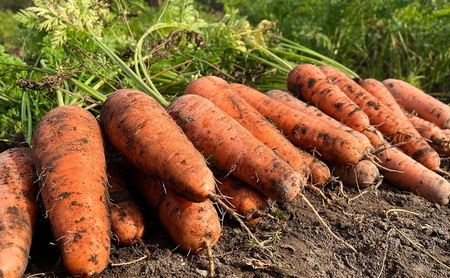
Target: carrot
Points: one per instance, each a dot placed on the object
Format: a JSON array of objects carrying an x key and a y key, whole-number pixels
[
  {"x": 304, "y": 131},
  {"x": 386, "y": 120},
  {"x": 412, "y": 99},
  {"x": 311, "y": 84},
  {"x": 127, "y": 220},
  {"x": 295, "y": 103},
  {"x": 361, "y": 175},
  {"x": 408, "y": 174},
  {"x": 439, "y": 139},
  {"x": 235, "y": 149},
  {"x": 191, "y": 225},
  {"x": 18, "y": 210},
  {"x": 69, "y": 156},
  {"x": 141, "y": 129},
  {"x": 244, "y": 199},
  {"x": 320, "y": 173}
]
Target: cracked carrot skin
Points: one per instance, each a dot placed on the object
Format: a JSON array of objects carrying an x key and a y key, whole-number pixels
[
  {"x": 226, "y": 98},
  {"x": 412, "y": 99},
  {"x": 409, "y": 139},
  {"x": 142, "y": 130},
  {"x": 304, "y": 131},
  {"x": 234, "y": 149},
  {"x": 309, "y": 83},
  {"x": 69, "y": 156},
  {"x": 18, "y": 210}
]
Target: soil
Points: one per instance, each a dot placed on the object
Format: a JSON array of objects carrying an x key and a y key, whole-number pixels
[{"x": 297, "y": 244}]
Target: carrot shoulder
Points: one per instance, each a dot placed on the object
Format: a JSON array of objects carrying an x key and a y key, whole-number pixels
[
  {"x": 18, "y": 210},
  {"x": 142, "y": 130},
  {"x": 305, "y": 131},
  {"x": 234, "y": 148},
  {"x": 226, "y": 98},
  {"x": 312, "y": 85},
  {"x": 69, "y": 156}
]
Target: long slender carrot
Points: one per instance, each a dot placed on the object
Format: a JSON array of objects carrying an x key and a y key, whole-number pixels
[
  {"x": 311, "y": 84},
  {"x": 386, "y": 120},
  {"x": 295, "y": 103},
  {"x": 141, "y": 129},
  {"x": 408, "y": 174},
  {"x": 69, "y": 156},
  {"x": 305, "y": 131},
  {"x": 18, "y": 210},
  {"x": 412, "y": 99},
  {"x": 127, "y": 220},
  {"x": 191, "y": 225},
  {"x": 235, "y": 149}
]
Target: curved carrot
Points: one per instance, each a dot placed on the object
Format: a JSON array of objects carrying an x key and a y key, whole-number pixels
[
  {"x": 311, "y": 84},
  {"x": 127, "y": 220},
  {"x": 18, "y": 210},
  {"x": 69, "y": 156},
  {"x": 412, "y": 99},
  {"x": 141, "y": 129},
  {"x": 190, "y": 225},
  {"x": 408, "y": 174},
  {"x": 235, "y": 149},
  {"x": 226, "y": 98},
  {"x": 304, "y": 131},
  {"x": 295, "y": 103},
  {"x": 361, "y": 175}
]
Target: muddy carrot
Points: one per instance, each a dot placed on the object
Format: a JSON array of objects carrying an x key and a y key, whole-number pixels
[{"x": 361, "y": 175}]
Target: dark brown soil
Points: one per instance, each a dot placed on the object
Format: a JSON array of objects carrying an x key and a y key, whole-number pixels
[{"x": 299, "y": 246}]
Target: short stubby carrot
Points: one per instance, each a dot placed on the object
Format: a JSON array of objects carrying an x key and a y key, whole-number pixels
[
  {"x": 127, "y": 220},
  {"x": 18, "y": 210},
  {"x": 320, "y": 173},
  {"x": 412, "y": 99},
  {"x": 408, "y": 174},
  {"x": 295, "y": 103},
  {"x": 226, "y": 98},
  {"x": 410, "y": 140},
  {"x": 142, "y": 130},
  {"x": 361, "y": 175},
  {"x": 69, "y": 156},
  {"x": 304, "y": 131},
  {"x": 312, "y": 85},
  {"x": 191, "y": 225},
  {"x": 244, "y": 199},
  {"x": 234, "y": 149}
]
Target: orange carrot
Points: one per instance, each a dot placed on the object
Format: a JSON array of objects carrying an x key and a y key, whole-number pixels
[
  {"x": 386, "y": 120},
  {"x": 320, "y": 173},
  {"x": 311, "y": 84},
  {"x": 244, "y": 199},
  {"x": 18, "y": 210},
  {"x": 408, "y": 174},
  {"x": 361, "y": 175},
  {"x": 69, "y": 156},
  {"x": 235, "y": 149},
  {"x": 295, "y": 103},
  {"x": 127, "y": 220},
  {"x": 226, "y": 98},
  {"x": 190, "y": 225},
  {"x": 305, "y": 131},
  {"x": 412, "y": 99},
  {"x": 439, "y": 140},
  {"x": 141, "y": 129}
]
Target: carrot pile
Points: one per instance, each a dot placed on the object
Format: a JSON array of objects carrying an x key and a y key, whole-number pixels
[{"x": 259, "y": 146}]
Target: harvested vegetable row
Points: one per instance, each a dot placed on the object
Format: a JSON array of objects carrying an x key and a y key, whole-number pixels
[
  {"x": 305, "y": 131},
  {"x": 69, "y": 156},
  {"x": 234, "y": 149},
  {"x": 226, "y": 98},
  {"x": 142, "y": 130},
  {"x": 412, "y": 99},
  {"x": 410, "y": 140},
  {"x": 18, "y": 210},
  {"x": 191, "y": 225},
  {"x": 308, "y": 82},
  {"x": 408, "y": 174},
  {"x": 127, "y": 220}
]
